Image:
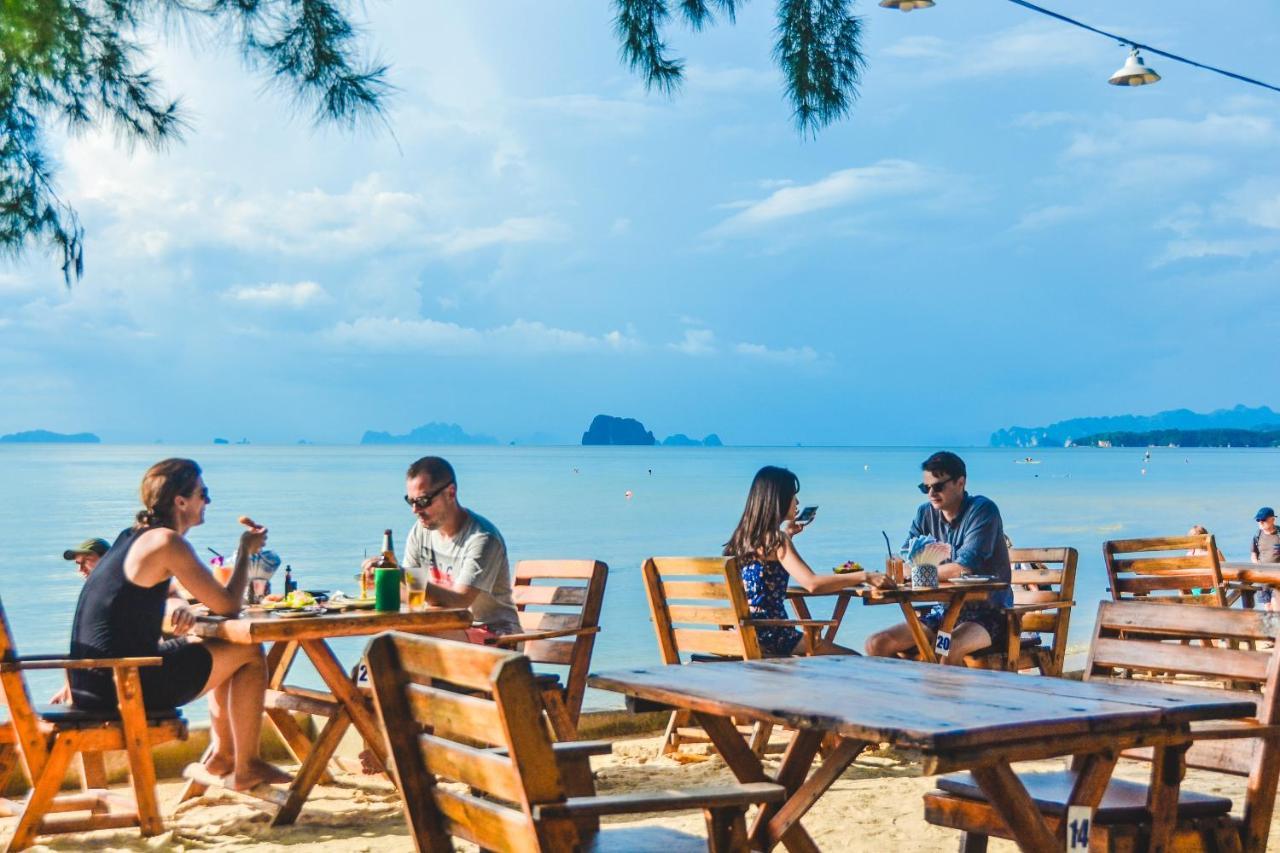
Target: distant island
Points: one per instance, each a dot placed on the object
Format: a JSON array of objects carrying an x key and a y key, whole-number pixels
[
  {"x": 1184, "y": 438},
  {"x": 610, "y": 430},
  {"x": 682, "y": 440},
  {"x": 606, "y": 429},
  {"x": 44, "y": 436},
  {"x": 1089, "y": 430},
  {"x": 432, "y": 433}
]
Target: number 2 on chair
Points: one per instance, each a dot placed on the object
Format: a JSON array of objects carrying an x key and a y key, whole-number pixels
[
  {"x": 1079, "y": 819},
  {"x": 942, "y": 645},
  {"x": 362, "y": 675}
]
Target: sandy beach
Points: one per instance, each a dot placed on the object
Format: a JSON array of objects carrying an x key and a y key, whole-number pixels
[{"x": 875, "y": 805}]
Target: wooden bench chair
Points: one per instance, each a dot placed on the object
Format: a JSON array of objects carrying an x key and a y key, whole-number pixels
[
  {"x": 1043, "y": 581},
  {"x": 700, "y": 614},
  {"x": 1148, "y": 637},
  {"x": 1162, "y": 570},
  {"x": 559, "y": 603},
  {"x": 472, "y": 715},
  {"x": 49, "y": 737}
]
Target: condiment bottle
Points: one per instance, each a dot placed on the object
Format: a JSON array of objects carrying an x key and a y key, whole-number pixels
[{"x": 289, "y": 583}]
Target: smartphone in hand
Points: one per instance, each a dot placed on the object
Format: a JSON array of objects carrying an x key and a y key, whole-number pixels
[{"x": 806, "y": 515}]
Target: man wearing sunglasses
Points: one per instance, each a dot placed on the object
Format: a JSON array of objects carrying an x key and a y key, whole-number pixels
[
  {"x": 459, "y": 555},
  {"x": 972, "y": 526}
]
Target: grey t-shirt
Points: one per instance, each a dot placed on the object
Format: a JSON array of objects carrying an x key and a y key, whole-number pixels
[
  {"x": 1266, "y": 546},
  {"x": 476, "y": 557}
]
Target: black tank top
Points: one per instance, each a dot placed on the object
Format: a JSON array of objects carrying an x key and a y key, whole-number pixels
[{"x": 115, "y": 618}]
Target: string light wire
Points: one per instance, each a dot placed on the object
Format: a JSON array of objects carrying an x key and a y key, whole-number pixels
[{"x": 1033, "y": 7}]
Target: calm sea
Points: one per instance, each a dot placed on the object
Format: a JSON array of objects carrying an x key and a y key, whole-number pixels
[{"x": 327, "y": 506}]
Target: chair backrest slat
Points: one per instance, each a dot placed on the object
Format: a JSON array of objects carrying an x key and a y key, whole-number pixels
[
  {"x": 1170, "y": 568},
  {"x": 26, "y": 723},
  {"x": 456, "y": 715},
  {"x": 696, "y": 609},
  {"x": 423, "y": 687}
]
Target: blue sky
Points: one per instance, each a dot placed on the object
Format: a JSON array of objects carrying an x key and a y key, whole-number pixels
[{"x": 993, "y": 237}]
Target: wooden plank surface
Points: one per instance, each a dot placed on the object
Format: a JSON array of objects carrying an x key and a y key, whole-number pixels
[
  {"x": 265, "y": 628},
  {"x": 1267, "y": 574},
  {"x": 915, "y": 705},
  {"x": 944, "y": 592}
]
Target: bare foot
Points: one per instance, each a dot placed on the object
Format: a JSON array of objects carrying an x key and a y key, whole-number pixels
[
  {"x": 369, "y": 763},
  {"x": 220, "y": 765},
  {"x": 259, "y": 773}
]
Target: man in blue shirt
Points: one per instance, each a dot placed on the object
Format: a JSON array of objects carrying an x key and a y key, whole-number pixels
[{"x": 971, "y": 525}]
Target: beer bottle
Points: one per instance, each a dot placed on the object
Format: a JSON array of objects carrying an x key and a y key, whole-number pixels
[{"x": 388, "y": 560}]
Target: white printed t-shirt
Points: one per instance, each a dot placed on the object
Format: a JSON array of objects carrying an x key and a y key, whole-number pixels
[{"x": 476, "y": 557}]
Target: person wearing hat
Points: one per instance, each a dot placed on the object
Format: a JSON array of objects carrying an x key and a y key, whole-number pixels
[
  {"x": 87, "y": 554},
  {"x": 1266, "y": 549}
]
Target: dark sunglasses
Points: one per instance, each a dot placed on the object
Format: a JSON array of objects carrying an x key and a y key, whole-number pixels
[
  {"x": 425, "y": 501},
  {"x": 204, "y": 494},
  {"x": 929, "y": 488}
]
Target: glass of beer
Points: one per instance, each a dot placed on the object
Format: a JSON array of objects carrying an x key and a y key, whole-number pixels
[{"x": 417, "y": 587}]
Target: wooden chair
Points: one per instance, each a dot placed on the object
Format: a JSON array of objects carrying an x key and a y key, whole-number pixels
[
  {"x": 700, "y": 614},
  {"x": 1148, "y": 637},
  {"x": 49, "y": 737},
  {"x": 1164, "y": 571},
  {"x": 471, "y": 714},
  {"x": 560, "y": 622},
  {"x": 1041, "y": 613}
]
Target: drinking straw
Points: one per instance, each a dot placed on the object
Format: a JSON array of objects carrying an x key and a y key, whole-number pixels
[
  {"x": 215, "y": 553},
  {"x": 887, "y": 546}
]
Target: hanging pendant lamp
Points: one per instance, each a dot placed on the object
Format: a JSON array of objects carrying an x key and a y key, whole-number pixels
[
  {"x": 1134, "y": 72},
  {"x": 906, "y": 5}
]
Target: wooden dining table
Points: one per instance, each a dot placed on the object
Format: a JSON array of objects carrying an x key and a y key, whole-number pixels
[
  {"x": 956, "y": 718},
  {"x": 952, "y": 596},
  {"x": 343, "y": 704},
  {"x": 1246, "y": 579}
]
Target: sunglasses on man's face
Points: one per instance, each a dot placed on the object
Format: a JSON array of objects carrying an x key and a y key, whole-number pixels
[
  {"x": 425, "y": 500},
  {"x": 931, "y": 488},
  {"x": 204, "y": 494}
]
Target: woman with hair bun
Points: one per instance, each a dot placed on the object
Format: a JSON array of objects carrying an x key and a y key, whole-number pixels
[
  {"x": 768, "y": 559},
  {"x": 122, "y": 609}
]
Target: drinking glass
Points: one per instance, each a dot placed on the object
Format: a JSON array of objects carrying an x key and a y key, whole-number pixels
[{"x": 417, "y": 592}]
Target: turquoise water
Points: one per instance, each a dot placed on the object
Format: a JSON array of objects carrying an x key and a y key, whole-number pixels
[{"x": 327, "y": 506}]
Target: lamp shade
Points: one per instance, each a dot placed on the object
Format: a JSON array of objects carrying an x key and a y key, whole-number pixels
[
  {"x": 906, "y": 5},
  {"x": 1134, "y": 72}
]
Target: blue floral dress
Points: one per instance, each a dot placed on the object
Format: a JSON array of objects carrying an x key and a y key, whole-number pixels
[{"x": 766, "y": 585}]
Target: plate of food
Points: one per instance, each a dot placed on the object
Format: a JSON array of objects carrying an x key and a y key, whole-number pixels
[
  {"x": 339, "y": 600},
  {"x": 294, "y": 613},
  {"x": 297, "y": 600},
  {"x": 848, "y": 567}
]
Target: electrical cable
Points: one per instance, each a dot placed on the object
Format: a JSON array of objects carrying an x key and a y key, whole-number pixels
[{"x": 1033, "y": 7}]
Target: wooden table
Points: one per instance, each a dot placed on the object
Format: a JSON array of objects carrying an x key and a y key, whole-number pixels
[
  {"x": 957, "y": 718},
  {"x": 343, "y": 704},
  {"x": 952, "y": 595},
  {"x": 1246, "y": 579}
]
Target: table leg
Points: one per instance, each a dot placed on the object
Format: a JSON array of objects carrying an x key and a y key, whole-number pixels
[
  {"x": 918, "y": 633},
  {"x": 345, "y": 691},
  {"x": 1006, "y": 793},
  {"x": 837, "y": 613},
  {"x": 312, "y": 769},
  {"x": 1168, "y": 766},
  {"x": 807, "y": 794},
  {"x": 746, "y": 766}
]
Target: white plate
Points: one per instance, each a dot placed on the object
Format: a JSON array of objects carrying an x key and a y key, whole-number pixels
[
  {"x": 294, "y": 614},
  {"x": 972, "y": 579}
]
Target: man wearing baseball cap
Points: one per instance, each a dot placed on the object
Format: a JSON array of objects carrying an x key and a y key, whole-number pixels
[
  {"x": 87, "y": 554},
  {"x": 1266, "y": 549}
]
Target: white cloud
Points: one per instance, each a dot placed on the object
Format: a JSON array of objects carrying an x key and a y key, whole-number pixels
[
  {"x": 530, "y": 229},
  {"x": 520, "y": 337},
  {"x": 297, "y": 295},
  {"x": 1027, "y": 49},
  {"x": 789, "y": 355},
  {"x": 1198, "y": 249},
  {"x": 696, "y": 342},
  {"x": 838, "y": 189},
  {"x": 1051, "y": 215},
  {"x": 729, "y": 80},
  {"x": 918, "y": 47},
  {"x": 1117, "y": 136}
]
